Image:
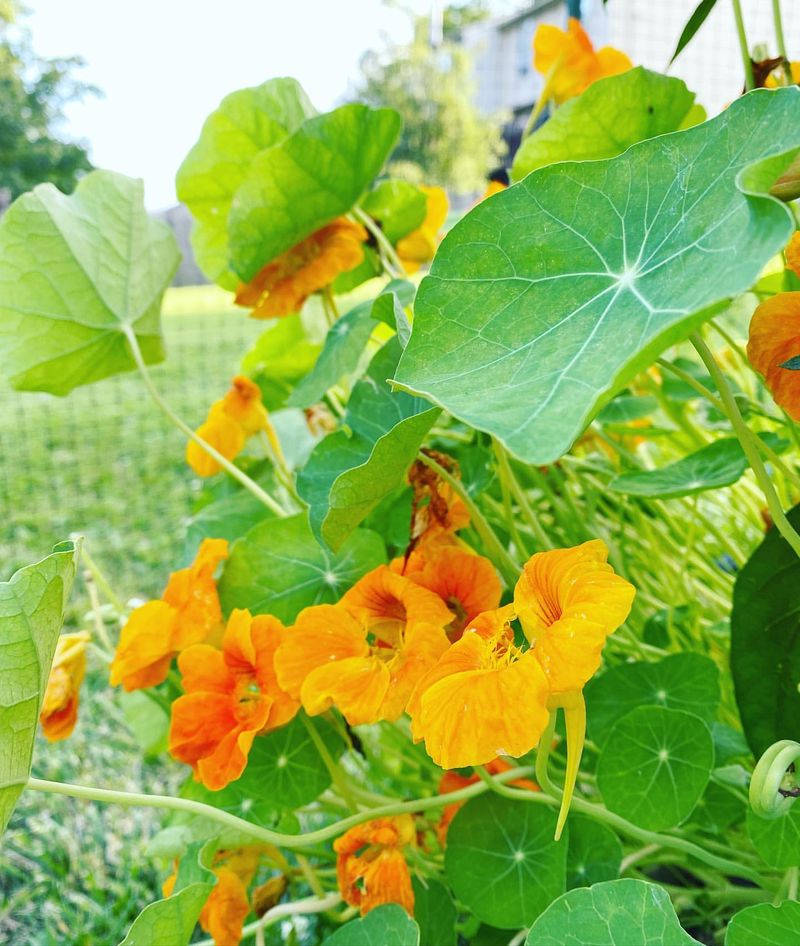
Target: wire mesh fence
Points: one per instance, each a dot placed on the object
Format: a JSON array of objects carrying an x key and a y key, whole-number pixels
[{"x": 105, "y": 463}]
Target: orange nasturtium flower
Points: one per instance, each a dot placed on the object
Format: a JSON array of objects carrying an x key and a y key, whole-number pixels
[
  {"x": 329, "y": 658},
  {"x": 370, "y": 866},
  {"x": 570, "y": 63},
  {"x": 231, "y": 695},
  {"x": 774, "y": 343},
  {"x": 231, "y": 420},
  {"x": 187, "y": 613},
  {"x": 61, "y": 698},
  {"x": 420, "y": 246},
  {"x": 285, "y": 283},
  {"x": 793, "y": 253},
  {"x": 228, "y": 904},
  {"x": 775, "y": 79}
]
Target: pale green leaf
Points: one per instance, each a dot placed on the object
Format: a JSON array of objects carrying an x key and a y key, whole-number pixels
[
  {"x": 610, "y": 116},
  {"x": 352, "y": 470},
  {"x": 279, "y": 568},
  {"x": 281, "y": 356},
  {"x": 765, "y": 924},
  {"x": 246, "y": 122},
  {"x": 616, "y": 913},
  {"x": 307, "y": 180},
  {"x": 547, "y": 299},
  {"x": 387, "y": 925},
  {"x": 76, "y": 274},
  {"x": 32, "y": 606},
  {"x": 655, "y": 765},
  {"x": 399, "y": 207}
]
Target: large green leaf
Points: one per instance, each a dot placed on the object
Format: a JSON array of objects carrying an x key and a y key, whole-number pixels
[
  {"x": 31, "y": 614},
  {"x": 282, "y": 355},
  {"x": 246, "y": 122},
  {"x": 610, "y": 116},
  {"x": 279, "y": 568},
  {"x": 777, "y": 840},
  {"x": 765, "y": 924},
  {"x": 434, "y": 912},
  {"x": 306, "y": 180},
  {"x": 655, "y": 765},
  {"x": 172, "y": 920},
  {"x": 688, "y": 682},
  {"x": 502, "y": 862},
  {"x": 388, "y": 925},
  {"x": 765, "y": 642},
  {"x": 352, "y": 470},
  {"x": 76, "y": 273},
  {"x": 227, "y": 518},
  {"x": 616, "y": 913},
  {"x": 547, "y": 299}
]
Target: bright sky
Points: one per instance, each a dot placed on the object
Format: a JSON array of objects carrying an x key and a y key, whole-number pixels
[{"x": 163, "y": 65}]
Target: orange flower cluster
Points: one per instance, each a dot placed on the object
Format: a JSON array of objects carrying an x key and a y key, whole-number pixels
[
  {"x": 230, "y": 422},
  {"x": 285, "y": 283},
  {"x": 61, "y": 698},
  {"x": 187, "y": 613},
  {"x": 370, "y": 866}
]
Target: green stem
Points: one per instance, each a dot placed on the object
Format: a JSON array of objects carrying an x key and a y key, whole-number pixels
[
  {"x": 334, "y": 769},
  {"x": 508, "y": 477},
  {"x": 749, "y": 444},
  {"x": 749, "y": 78},
  {"x": 494, "y": 548},
  {"x": 250, "y": 485},
  {"x": 102, "y": 582},
  {"x": 391, "y": 260},
  {"x": 780, "y": 40}
]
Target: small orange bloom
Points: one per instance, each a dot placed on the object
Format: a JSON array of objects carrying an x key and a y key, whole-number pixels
[
  {"x": 285, "y": 283},
  {"x": 492, "y": 188},
  {"x": 230, "y": 697},
  {"x": 420, "y": 246},
  {"x": 187, "y": 613},
  {"x": 485, "y": 697},
  {"x": 436, "y": 508},
  {"x": 793, "y": 253},
  {"x": 370, "y": 866},
  {"x": 231, "y": 420},
  {"x": 326, "y": 659},
  {"x": 776, "y": 78},
  {"x": 569, "y": 62},
  {"x": 569, "y": 601},
  {"x": 774, "y": 341},
  {"x": 61, "y": 698}
]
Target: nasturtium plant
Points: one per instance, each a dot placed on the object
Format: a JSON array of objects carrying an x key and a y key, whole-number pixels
[
  {"x": 765, "y": 924},
  {"x": 74, "y": 299}
]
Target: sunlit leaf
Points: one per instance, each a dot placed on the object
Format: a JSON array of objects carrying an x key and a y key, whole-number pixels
[
  {"x": 655, "y": 765},
  {"x": 351, "y": 471},
  {"x": 615, "y": 913},
  {"x": 32, "y": 606},
  {"x": 610, "y": 116},
  {"x": 388, "y": 925},
  {"x": 76, "y": 273},
  {"x": 246, "y": 122},
  {"x": 399, "y": 207},
  {"x": 765, "y": 924},
  {"x": 281, "y": 356},
  {"x": 547, "y": 299},
  {"x": 305, "y": 181}
]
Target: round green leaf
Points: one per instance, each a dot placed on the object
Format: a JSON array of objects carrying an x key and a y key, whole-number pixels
[
  {"x": 616, "y": 913},
  {"x": 717, "y": 809},
  {"x": 688, "y": 682},
  {"x": 777, "y": 840},
  {"x": 279, "y": 568},
  {"x": 655, "y": 765},
  {"x": 76, "y": 274},
  {"x": 502, "y": 862},
  {"x": 544, "y": 301},
  {"x": 765, "y": 642},
  {"x": 305, "y": 181},
  {"x": 594, "y": 853},
  {"x": 765, "y": 925},
  {"x": 434, "y": 912},
  {"x": 388, "y": 925},
  {"x": 227, "y": 518},
  {"x": 610, "y": 116}
]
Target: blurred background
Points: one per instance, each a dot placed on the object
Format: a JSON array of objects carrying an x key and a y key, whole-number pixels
[{"x": 127, "y": 86}]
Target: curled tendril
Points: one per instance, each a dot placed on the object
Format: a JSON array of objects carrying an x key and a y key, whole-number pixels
[{"x": 773, "y": 788}]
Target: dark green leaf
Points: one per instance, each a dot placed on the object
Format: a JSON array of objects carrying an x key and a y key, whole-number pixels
[
  {"x": 279, "y": 359},
  {"x": 777, "y": 840},
  {"x": 765, "y": 924},
  {"x": 434, "y": 912},
  {"x": 765, "y": 642},
  {"x": 279, "y": 568},
  {"x": 594, "y": 855},
  {"x": 626, "y": 408},
  {"x": 793, "y": 364},
  {"x": 695, "y": 21},
  {"x": 227, "y": 518}
]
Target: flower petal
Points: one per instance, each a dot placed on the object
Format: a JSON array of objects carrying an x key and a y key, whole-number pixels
[{"x": 357, "y": 686}]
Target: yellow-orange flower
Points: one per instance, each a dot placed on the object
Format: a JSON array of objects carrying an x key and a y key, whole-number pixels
[
  {"x": 420, "y": 246},
  {"x": 793, "y": 253},
  {"x": 775, "y": 79},
  {"x": 370, "y": 866},
  {"x": 61, "y": 698},
  {"x": 775, "y": 340},
  {"x": 568, "y": 602},
  {"x": 326, "y": 659},
  {"x": 231, "y": 420},
  {"x": 187, "y": 613},
  {"x": 485, "y": 697},
  {"x": 569, "y": 61},
  {"x": 285, "y": 283},
  {"x": 492, "y": 188},
  {"x": 230, "y": 697}
]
